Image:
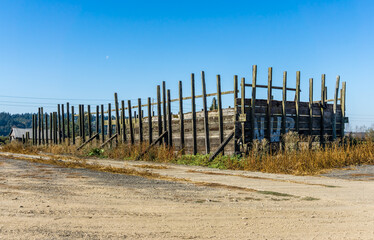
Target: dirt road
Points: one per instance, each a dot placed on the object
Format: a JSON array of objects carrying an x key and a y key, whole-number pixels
[{"x": 39, "y": 201}]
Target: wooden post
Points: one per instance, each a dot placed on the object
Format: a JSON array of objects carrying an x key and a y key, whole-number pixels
[
  {"x": 242, "y": 112},
  {"x": 253, "y": 102},
  {"x": 194, "y": 137},
  {"x": 181, "y": 116},
  {"x": 83, "y": 125},
  {"x": 170, "y": 120},
  {"x": 297, "y": 101},
  {"x": 73, "y": 125},
  {"x": 140, "y": 120},
  {"x": 236, "y": 146},
  {"x": 46, "y": 129},
  {"x": 68, "y": 122},
  {"x": 55, "y": 128},
  {"x": 206, "y": 118},
  {"x": 123, "y": 121},
  {"x": 164, "y": 110},
  {"x": 118, "y": 126},
  {"x": 42, "y": 122},
  {"x": 97, "y": 123},
  {"x": 220, "y": 115},
  {"x": 323, "y": 96},
  {"x": 51, "y": 128},
  {"x": 159, "y": 119},
  {"x": 89, "y": 117},
  {"x": 110, "y": 128},
  {"x": 284, "y": 102},
  {"x": 130, "y": 122},
  {"x": 102, "y": 124},
  {"x": 149, "y": 121},
  {"x": 39, "y": 126},
  {"x": 335, "y": 107},
  {"x": 59, "y": 123},
  {"x": 269, "y": 102},
  {"x": 33, "y": 129},
  {"x": 343, "y": 97},
  {"x": 80, "y": 119},
  {"x": 63, "y": 122},
  {"x": 311, "y": 107}
]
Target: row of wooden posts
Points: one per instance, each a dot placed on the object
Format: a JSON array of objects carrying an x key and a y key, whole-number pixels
[
  {"x": 60, "y": 128},
  {"x": 248, "y": 105}
]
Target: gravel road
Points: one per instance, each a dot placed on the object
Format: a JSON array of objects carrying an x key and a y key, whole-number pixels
[{"x": 40, "y": 201}]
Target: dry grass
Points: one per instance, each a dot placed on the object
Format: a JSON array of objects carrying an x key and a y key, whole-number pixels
[{"x": 297, "y": 158}]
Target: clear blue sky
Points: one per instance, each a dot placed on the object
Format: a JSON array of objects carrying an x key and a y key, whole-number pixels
[{"x": 90, "y": 49}]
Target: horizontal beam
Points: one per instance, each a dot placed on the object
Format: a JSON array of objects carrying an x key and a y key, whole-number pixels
[{"x": 273, "y": 87}]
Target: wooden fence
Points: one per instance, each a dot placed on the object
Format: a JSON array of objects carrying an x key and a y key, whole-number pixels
[{"x": 205, "y": 131}]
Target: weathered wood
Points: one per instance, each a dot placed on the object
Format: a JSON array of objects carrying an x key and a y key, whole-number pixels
[
  {"x": 170, "y": 129},
  {"x": 63, "y": 122},
  {"x": 123, "y": 121},
  {"x": 89, "y": 117},
  {"x": 284, "y": 100},
  {"x": 253, "y": 102},
  {"x": 343, "y": 97},
  {"x": 236, "y": 145},
  {"x": 272, "y": 87},
  {"x": 220, "y": 115},
  {"x": 118, "y": 126},
  {"x": 181, "y": 117},
  {"x": 51, "y": 128},
  {"x": 59, "y": 124},
  {"x": 149, "y": 121},
  {"x": 80, "y": 119},
  {"x": 46, "y": 129},
  {"x": 323, "y": 97},
  {"x": 193, "y": 106},
  {"x": 42, "y": 121},
  {"x": 335, "y": 108},
  {"x": 68, "y": 122},
  {"x": 110, "y": 127},
  {"x": 140, "y": 120},
  {"x": 270, "y": 96},
  {"x": 159, "y": 138},
  {"x": 86, "y": 142},
  {"x": 109, "y": 140},
  {"x": 102, "y": 124},
  {"x": 164, "y": 110},
  {"x": 221, "y": 146},
  {"x": 310, "y": 106},
  {"x": 205, "y": 109},
  {"x": 97, "y": 125},
  {"x": 39, "y": 127},
  {"x": 83, "y": 125},
  {"x": 242, "y": 112},
  {"x": 55, "y": 128},
  {"x": 297, "y": 101},
  {"x": 130, "y": 123},
  {"x": 159, "y": 119}
]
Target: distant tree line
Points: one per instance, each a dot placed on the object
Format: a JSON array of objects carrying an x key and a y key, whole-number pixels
[{"x": 7, "y": 121}]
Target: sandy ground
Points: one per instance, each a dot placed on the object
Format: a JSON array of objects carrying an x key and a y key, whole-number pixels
[{"x": 40, "y": 201}]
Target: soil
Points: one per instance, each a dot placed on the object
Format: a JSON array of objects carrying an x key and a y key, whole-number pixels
[{"x": 41, "y": 201}]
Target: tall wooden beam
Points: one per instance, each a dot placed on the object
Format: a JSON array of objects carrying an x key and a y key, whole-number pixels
[
  {"x": 140, "y": 120},
  {"x": 253, "y": 102},
  {"x": 206, "y": 118},
  {"x": 335, "y": 108},
  {"x": 102, "y": 124},
  {"x": 159, "y": 114},
  {"x": 164, "y": 110},
  {"x": 170, "y": 120},
  {"x": 123, "y": 121},
  {"x": 269, "y": 103},
  {"x": 193, "y": 106},
  {"x": 68, "y": 121},
  {"x": 130, "y": 122},
  {"x": 149, "y": 108},
  {"x": 220, "y": 114},
  {"x": 297, "y": 102},
  {"x": 181, "y": 116}
]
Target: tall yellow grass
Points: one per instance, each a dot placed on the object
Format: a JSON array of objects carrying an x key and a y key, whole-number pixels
[{"x": 296, "y": 158}]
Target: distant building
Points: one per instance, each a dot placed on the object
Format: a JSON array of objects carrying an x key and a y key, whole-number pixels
[{"x": 17, "y": 133}]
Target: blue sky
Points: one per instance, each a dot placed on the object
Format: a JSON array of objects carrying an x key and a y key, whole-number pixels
[{"x": 84, "y": 51}]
